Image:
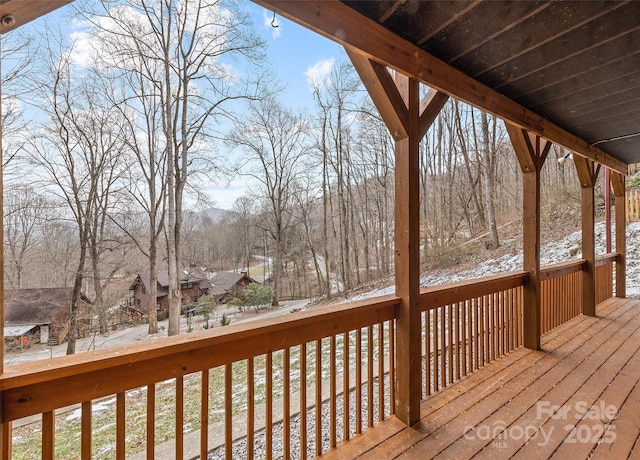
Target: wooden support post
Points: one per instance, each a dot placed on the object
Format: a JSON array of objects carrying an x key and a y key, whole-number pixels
[
  {"x": 408, "y": 119},
  {"x": 587, "y": 175},
  {"x": 531, "y": 156},
  {"x": 531, "y": 257},
  {"x": 407, "y": 261},
  {"x": 617, "y": 183},
  {"x": 5, "y": 439}
]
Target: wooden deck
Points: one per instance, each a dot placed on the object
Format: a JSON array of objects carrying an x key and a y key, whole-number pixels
[{"x": 577, "y": 398}]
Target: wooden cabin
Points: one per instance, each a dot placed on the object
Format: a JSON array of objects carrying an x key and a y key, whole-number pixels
[
  {"x": 194, "y": 283},
  {"x": 46, "y": 312},
  {"x": 192, "y": 286},
  {"x": 487, "y": 367}
]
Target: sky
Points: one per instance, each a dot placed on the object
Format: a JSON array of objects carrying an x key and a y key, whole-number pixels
[{"x": 296, "y": 56}]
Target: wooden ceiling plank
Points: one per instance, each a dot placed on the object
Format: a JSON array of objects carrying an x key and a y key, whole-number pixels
[
  {"x": 626, "y": 72},
  {"x": 391, "y": 10},
  {"x": 545, "y": 44},
  {"x": 384, "y": 93},
  {"x": 335, "y": 20},
  {"x": 630, "y": 111},
  {"x": 537, "y": 80},
  {"x": 581, "y": 105},
  {"x": 451, "y": 20},
  {"x": 475, "y": 43}
]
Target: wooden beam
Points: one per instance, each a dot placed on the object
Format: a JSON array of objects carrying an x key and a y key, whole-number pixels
[
  {"x": 531, "y": 156},
  {"x": 407, "y": 260},
  {"x": 430, "y": 107},
  {"x": 522, "y": 147},
  {"x": 1, "y": 243},
  {"x": 587, "y": 175},
  {"x": 24, "y": 11},
  {"x": 48, "y": 435},
  {"x": 617, "y": 183},
  {"x": 408, "y": 118},
  {"x": 337, "y": 21},
  {"x": 383, "y": 92}
]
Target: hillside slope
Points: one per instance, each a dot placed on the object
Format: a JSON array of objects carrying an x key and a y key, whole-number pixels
[{"x": 558, "y": 251}]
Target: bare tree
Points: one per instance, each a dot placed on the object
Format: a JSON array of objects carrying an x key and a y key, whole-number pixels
[
  {"x": 487, "y": 153},
  {"x": 472, "y": 208},
  {"x": 275, "y": 141},
  {"x": 139, "y": 106},
  {"x": 187, "y": 48},
  {"x": 19, "y": 54},
  {"x": 25, "y": 214},
  {"x": 242, "y": 219},
  {"x": 306, "y": 200},
  {"x": 57, "y": 255},
  {"x": 336, "y": 105},
  {"x": 78, "y": 152},
  {"x": 374, "y": 191}
]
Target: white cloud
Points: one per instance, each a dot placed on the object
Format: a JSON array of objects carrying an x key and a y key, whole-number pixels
[
  {"x": 224, "y": 195},
  {"x": 271, "y": 22},
  {"x": 82, "y": 51},
  {"x": 318, "y": 75}
]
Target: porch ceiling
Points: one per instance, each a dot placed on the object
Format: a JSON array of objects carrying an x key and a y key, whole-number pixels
[{"x": 575, "y": 63}]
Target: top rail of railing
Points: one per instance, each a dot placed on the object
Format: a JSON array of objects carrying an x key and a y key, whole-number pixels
[{"x": 42, "y": 386}]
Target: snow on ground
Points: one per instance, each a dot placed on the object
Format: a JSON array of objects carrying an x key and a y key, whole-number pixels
[{"x": 552, "y": 253}]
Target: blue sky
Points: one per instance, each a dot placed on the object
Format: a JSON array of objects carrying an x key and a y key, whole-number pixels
[{"x": 295, "y": 53}]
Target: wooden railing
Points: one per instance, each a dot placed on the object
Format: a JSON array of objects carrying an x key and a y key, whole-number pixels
[
  {"x": 561, "y": 293},
  {"x": 287, "y": 387},
  {"x": 605, "y": 277},
  {"x": 268, "y": 372},
  {"x": 633, "y": 206},
  {"x": 468, "y": 324}
]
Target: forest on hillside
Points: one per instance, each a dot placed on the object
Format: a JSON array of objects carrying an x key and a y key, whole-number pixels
[{"x": 108, "y": 147}]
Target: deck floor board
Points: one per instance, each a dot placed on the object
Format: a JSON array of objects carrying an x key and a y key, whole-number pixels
[{"x": 588, "y": 367}]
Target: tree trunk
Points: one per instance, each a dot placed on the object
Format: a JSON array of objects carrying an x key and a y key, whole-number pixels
[
  {"x": 153, "y": 285},
  {"x": 473, "y": 181},
  {"x": 325, "y": 219},
  {"x": 488, "y": 182},
  {"x": 277, "y": 271},
  {"x": 75, "y": 296},
  {"x": 98, "y": 303}
]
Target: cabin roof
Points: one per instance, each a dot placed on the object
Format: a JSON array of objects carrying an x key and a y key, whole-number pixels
[{"x": 36, "y": 306}]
